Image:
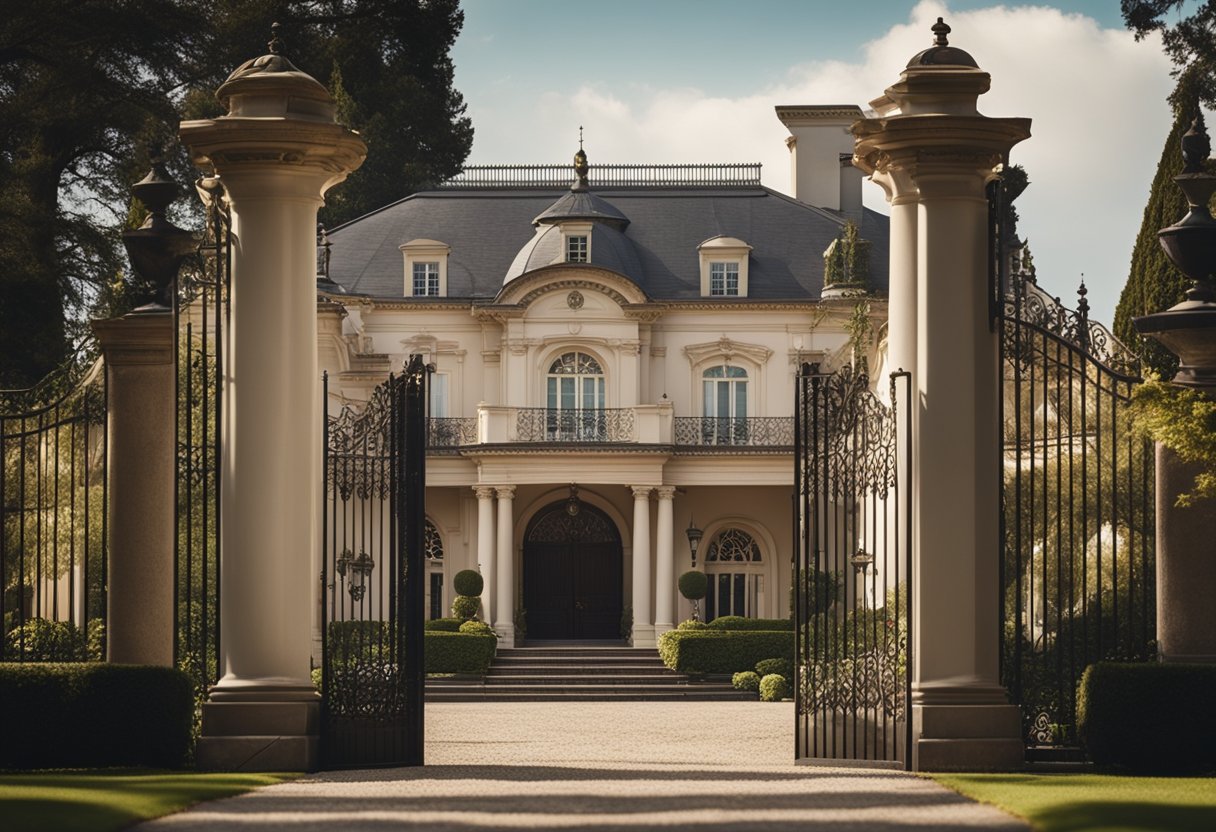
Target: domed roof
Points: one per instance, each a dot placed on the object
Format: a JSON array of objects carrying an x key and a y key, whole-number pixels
[
  {"x": 276, "y": 68},
  {"x": 941, "y": 53},
  {"x": 609, "y": 249},
  {"x": 582, "y": 205}
]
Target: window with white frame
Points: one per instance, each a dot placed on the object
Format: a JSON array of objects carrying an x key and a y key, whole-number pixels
[
  {"x": 432, "y": 551},
  {"x": 724, "y": 278},
  {"x": 426, "y": 268},
  {"x": 437, "y": 389},
  {"x": 736, "y": 572},
  {"x": 426, "y": 278},
  {"x": 576, "y": 248},
  {"x": 574, "y": 398},
  {"x": 724, "y": 408}
]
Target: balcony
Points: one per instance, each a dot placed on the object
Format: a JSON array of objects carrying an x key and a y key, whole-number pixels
[
  {"x": 726, "y": 434},
  {"x": 642, "y": 425}
]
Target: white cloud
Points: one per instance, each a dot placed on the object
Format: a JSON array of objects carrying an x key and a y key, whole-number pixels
[{"x": 1096, "y": 99}]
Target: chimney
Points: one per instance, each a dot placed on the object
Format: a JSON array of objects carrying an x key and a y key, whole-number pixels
[{"x": 819, "y": 143}]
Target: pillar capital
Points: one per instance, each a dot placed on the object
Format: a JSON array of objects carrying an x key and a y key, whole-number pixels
[
  {"x": 484, "y": 492},
  {"x": 641, "y": 492},
  {"x": 505, "y": 492},
  {"x": 665, "y": 492},
  {"x": 137, "y": 338}
]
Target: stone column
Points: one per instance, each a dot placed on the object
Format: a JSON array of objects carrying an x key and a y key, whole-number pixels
[
  {"x": 485, "y": 543},
  {"x": 931, "y": 144},
  {"x": 276, "y": 152},
  {"x": 1186, "y": 570},
  {"x": 138, "y": 351},
  {"x": 504, "y": 605},
  {"x": 643, "y": 621},
  {"x": 665, "y": 563}
]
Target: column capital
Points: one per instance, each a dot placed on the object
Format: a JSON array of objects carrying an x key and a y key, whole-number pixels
[
  {"x": 665, "y": 492},
  {"x": 137, "y": 338},
  {"x": 484, "y": 492},
  {"x": 505, "y": 492},
  {"x": 641, "y": 492}
]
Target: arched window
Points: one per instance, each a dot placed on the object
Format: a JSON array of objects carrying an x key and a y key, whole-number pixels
[
  {"x": 432, "y": 553},
  {"x": 574, "y": 390},
  {"x": 735, "y": 568},
  {"x": 724, "y": 391}
]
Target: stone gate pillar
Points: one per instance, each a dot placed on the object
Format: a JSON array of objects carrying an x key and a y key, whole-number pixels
[
  {"x": 277, "y": 151},
  {"x": 930, "y": 146}
]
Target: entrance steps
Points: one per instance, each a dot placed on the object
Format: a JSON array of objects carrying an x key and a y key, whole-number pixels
[{"x": 578, "y": 673}]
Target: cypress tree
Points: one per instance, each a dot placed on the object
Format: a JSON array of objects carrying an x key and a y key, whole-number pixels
[{"x": 1154, "y": 283}]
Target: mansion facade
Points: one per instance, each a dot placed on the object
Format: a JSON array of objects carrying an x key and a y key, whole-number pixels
[{"x": 615, "y": 350}]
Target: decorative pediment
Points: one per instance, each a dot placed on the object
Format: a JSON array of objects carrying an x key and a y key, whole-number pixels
[
  {"x": 525, "y": 289},
  {"x": 728, "y": 349}
]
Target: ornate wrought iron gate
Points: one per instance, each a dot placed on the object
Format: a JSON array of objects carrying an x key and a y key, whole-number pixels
[
  {"x": 373, "y": 577},
  {"x": 852, "y": 571},
  {"x": 1078, "y": 564}
]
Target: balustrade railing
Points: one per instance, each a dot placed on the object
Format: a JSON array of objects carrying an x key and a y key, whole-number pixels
[
  {"x": 755, "y": 431},
  {"x": 619, "y": 176},
  {"x": 449, "y": 432},
  {"x": 539, "y": 424}
]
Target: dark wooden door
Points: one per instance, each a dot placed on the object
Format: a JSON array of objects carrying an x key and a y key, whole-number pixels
[{"x": 572, "y": 575}]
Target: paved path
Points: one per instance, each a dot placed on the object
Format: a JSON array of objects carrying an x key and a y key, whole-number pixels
[{"x": 702, "y": 767}]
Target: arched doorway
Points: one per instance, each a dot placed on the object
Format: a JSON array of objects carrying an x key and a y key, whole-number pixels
[{"x": 572, "y": 574}]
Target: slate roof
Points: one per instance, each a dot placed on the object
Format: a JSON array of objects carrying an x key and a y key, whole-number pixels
[{"x": 489, "y": 230}]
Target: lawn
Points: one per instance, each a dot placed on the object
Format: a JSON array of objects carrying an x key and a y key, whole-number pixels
[
  {"x": 94, "y": 800},
  {"x": 1074, "y": 802}
]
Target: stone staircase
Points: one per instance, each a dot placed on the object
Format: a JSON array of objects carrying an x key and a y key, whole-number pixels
[{"x": 579, "y": 673}]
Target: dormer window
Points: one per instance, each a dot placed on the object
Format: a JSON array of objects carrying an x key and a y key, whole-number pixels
[
  {"x": 724, "y": 263},
  {"x": 576, "y": 248},
  {"x": 426, "y": 268}
]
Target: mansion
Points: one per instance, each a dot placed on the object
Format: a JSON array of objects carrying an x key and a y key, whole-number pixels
[{"x": 614, "y": 352}]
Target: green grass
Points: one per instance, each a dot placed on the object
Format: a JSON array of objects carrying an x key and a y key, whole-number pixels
[
  {"x": 93, "y": 800},
  {"x": 1074, "y": 802}
]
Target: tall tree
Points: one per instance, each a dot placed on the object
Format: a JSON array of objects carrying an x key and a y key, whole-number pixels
[{"x": 85, "y": 85}]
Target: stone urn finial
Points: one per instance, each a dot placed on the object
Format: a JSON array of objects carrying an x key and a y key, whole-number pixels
[
  {"x": 1196, "y": 147},
  {"x": 158, "y": 247},
  {"x": 940, "y": 30}
]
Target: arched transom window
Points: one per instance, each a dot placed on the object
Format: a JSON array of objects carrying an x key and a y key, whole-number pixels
[
  {"x": 575, "y": 382},
  {"x": 724, "y": 391},
  {"x": 735, "y": 568}
]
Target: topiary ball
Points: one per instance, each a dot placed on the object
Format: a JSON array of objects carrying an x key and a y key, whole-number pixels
[
  {"x": 774, "y": 688},
  {"x": 745, "y": 680},
  {"x": 468, "y": 582},
  {"x": 477, "y": 628},
  {"x": 693, "y": 585},
  {"x": 782, "y": 667},
  {"x": 465, "y": 607},
  {"x": 690, "y": 624}
]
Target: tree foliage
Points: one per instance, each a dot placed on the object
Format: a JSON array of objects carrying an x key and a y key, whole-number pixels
[
  {"x": 87, "y": 85},
  {"x": 1189, "y": 42},
  {"x": 1153, "y": 283}
]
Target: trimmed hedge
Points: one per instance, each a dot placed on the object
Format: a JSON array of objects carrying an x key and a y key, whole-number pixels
[
  {"x": 74, "y": 715},
  {"x": 447, "y": 625},
  {"x": 468, "y": 582},
  {"x": 723, "y": 651},
  {"x": 738, "y": 622},
  {"x": 782, "y": 667},
  {"x": 745, "y": 680},
  {"x": 465, "y": 607},
  {"x": 1149, "y": 718},
  {"x": 774, "y": 688},
  {"x": 459, "y": 652}
]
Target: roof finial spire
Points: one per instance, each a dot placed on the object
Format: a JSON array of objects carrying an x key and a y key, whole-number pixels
[
  {"x": 276, "y": 44},
  {"x": 940, "y": 30},
  {"x": 580, "y": 165}
]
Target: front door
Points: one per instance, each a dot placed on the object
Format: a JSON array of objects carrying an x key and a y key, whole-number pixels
[{"x": 572, "y": 575}]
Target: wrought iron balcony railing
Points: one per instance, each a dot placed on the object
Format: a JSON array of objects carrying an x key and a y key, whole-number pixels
[
  {"x": 450, "y": 432},
  {"x": 753, "y": 431},
  {"x": 539, "y": 424}
]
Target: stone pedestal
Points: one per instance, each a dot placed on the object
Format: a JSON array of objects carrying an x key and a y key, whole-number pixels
[
  {"x": 1186, "y": 567},
  {"x": 276, "y": 152},
  {"x": 931, "y": 147},
  {"x": 138, "y": 351}
]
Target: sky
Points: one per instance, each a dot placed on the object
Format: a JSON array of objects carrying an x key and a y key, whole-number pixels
[{"x": 697, "y": 80}]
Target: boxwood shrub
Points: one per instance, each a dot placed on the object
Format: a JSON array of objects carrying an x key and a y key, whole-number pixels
[
  {"x": 774, "y": 688},
  {"x": 1149, "y": 718},
  {"x": 72, "y": 715},
  {"x": 738, "y": 622},
  {"x": 782, "y": 667},
  {"x": 459, "y": 652},
  {"x": 447, "y": 625},
  {"x": 723, "y": 651},
  {"x": 745, "y": 680}
]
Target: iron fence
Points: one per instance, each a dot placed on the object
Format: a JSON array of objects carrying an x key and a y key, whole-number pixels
[
  {"x": 450, "y": 432},
  {"x": 53, "y": 499},
  {"x": 605, "y": 176},
  {"x": 539, "y": 424},
  {"x": 852, "y": 571},
  {"x": 1078, "y": 511},
  {"x": 750, "y": 431}
]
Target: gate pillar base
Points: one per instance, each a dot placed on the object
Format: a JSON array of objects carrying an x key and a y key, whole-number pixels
[
  {"x": 244, "y": 733},
  {"x": 643, "y": 636},
  {"x": 953, "y": 737},
  {"x": 506, "y": 635}
]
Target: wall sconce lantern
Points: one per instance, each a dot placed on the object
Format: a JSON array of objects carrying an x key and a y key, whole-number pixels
[
  {"x": 573, "y": 505},
  {"x": 694, "y": 540},
  {"x": 360, "y": 567}
]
